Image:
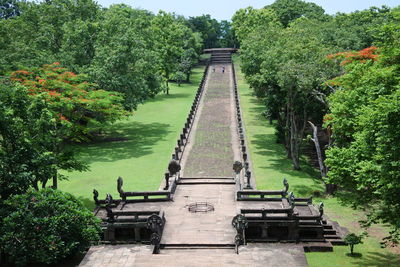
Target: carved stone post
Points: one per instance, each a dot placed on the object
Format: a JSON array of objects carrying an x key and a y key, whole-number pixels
[
  {"x": 156, "y": 224},
  {"x": 248, "y": 176},
  {"x": 240, "y": 223},
  {"x": 166, "y": 181}
]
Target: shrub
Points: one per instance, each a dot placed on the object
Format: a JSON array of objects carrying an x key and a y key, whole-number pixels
[
  {"x": 46, "y": 226},
  {"x": 352, "y": 240}
]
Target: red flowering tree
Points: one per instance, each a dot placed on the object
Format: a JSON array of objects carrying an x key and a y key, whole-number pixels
[
  {"x": 79, "y": 105},
  {"x": 362, "y": 56}
]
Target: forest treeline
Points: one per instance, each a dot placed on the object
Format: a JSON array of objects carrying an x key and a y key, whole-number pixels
[
  {"x": 69, "y": 68},
  {"x": 80, "y": 67},
  {"x": 120, "y": 48},
  {"x": 340, "y": 73}
]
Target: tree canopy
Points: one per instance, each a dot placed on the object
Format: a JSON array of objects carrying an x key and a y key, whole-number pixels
[
  {"x": 339, "y": 72},
  {"x": 364, "y": 112}
]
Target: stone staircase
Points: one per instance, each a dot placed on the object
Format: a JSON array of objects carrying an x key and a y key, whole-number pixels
[
  {"x": 221, "y": 57},
  {"x": 333, "y": 234}
]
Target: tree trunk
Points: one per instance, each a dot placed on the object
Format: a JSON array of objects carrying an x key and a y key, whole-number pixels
[
  {"x": 44, "y": 184},
  {"x": 167, "y": 87},
  {"x": 351, "y": 249},
  {"x": 167, "y": 81},
  {"x": 55, "y": 181},
  {"x": 35, "y": 185},
  {"x": 329, "y": 188},
  {"x": 287, "y": 133},
  {"x": 321, "y": 164},
  {"x": 294, "y": 142},
  {"x": 298, "y": 124},
  {"x": 188, "y": 76}
]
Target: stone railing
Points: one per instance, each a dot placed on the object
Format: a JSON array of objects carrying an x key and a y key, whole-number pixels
[{"x": 244, "y": 176}]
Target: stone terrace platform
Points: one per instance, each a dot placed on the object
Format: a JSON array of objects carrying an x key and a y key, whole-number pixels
[
  {"x": 181, "y": 237},
  {"x": 254, "y": 255}
]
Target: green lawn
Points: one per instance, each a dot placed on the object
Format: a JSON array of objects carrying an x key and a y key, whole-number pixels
[
  {"x": 271, "y": 166},
  {"x": 147, "y": 140}
]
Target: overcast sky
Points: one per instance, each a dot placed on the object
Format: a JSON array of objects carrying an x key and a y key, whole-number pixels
[{"x": 224, "y": 9}]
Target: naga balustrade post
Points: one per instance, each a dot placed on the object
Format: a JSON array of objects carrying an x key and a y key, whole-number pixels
[
  {"x": 166, "y": 181},
  {"x": 248, "y": 175}
]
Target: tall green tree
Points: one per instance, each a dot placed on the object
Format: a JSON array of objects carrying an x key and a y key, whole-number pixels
[
  {"x": 169, "y": 34},
  {"x": 49, "y": 31},
  {"x": 290, "y": 10},
  {"x": 209, "y": 29},
  {"x": 286, "y": 68},
  {"x": 249, "y": 22},
  {"x": 228, "y": 38},
  {"x": 125, "y": 59}
]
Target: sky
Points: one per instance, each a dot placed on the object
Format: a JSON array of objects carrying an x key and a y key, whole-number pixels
[{"x": 224, "y": 9}]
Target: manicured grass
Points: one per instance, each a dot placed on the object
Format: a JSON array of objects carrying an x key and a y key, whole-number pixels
[
  {"x": 271, "y": 165},
  {"x": 146, "y": 142}
]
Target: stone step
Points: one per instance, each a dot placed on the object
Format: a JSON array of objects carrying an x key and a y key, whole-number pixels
[
  {"x": 196, "y": 254},
  {"x": 205, "y": 181},
  {"x": 221, "y": 54},
  {"x": 220, "y": 58},
  {"x": 332, "y": 236},
  {"x": 318, "y": 247},
  {"x": 312, "y": 240},
  {"x": 221, "y": 61},
  {"x": 329, "y": 232},
  {"x": 197, "y": 246},
  {"x": 310, "y": 226},
  {"x": 336, "y": 242},
  {"x": 217, "y": 177}
]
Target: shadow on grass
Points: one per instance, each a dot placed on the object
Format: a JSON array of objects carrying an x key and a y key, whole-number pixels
[
  {"x": 259, "y": 107},
  {"x": 267, "y": 147},
  {"x": 137, "y": 140},
  {"x": 378, "y": 259},
  {"x": 162, "y": 97},
  {"x": 88, "y": 203},
  {"x": 354, "y": 255},
  {"x": 307, "y": 191}
]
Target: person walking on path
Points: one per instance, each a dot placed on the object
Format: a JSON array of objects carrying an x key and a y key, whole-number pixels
[{"x": 223, "y": 69}]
